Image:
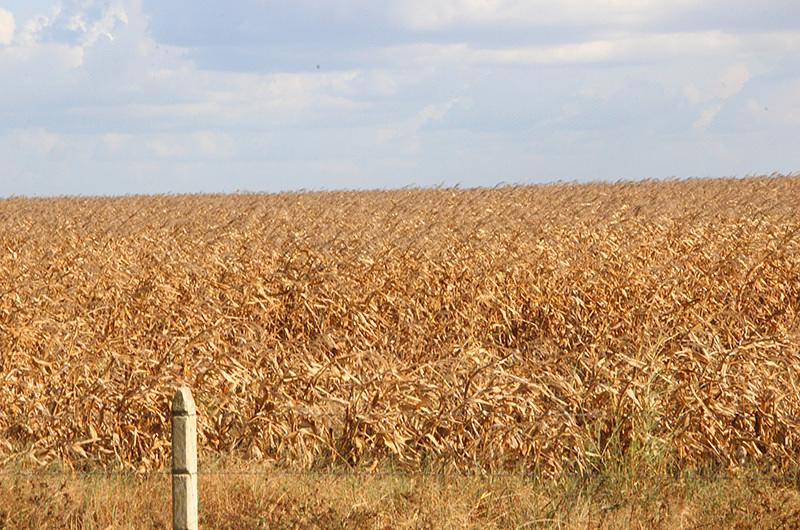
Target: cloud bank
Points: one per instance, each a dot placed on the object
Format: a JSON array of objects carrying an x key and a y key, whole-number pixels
[
  {"x": 6, "y": 27},
  {"x": 140, "y": 96}
]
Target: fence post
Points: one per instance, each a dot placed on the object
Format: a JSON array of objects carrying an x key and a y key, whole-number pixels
[{"x": 184, "y": 461}]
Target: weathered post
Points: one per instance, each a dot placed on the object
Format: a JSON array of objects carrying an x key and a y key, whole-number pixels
[{"x": 184, "y": 461}]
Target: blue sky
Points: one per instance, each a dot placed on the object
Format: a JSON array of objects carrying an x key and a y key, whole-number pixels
[{"x": 151, "y": 96}]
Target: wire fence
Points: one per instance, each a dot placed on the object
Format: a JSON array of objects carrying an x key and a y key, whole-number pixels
[
  {"x": 11, "y": 419},
  {"x": 310, "y": 415},
  {"x": 784, "y": 478},
  {"x": 265, "y": 473},
  {"x": 791, "y": 480},
  {"x": 185, "y": 471}
]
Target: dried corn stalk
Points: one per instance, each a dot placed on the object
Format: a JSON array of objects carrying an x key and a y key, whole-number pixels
[{"x": 527, "y": 327}]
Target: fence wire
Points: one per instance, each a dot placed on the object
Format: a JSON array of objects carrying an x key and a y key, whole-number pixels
[
  {"x": 303, "y": 415},
  {"x": 792, "y": 479},
  {"x": 352, "y": 473}
]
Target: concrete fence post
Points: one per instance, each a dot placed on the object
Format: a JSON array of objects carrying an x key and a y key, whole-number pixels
[{"x": 184, "y": 461}]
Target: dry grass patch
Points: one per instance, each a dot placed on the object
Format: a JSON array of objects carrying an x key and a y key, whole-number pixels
[{"x": 267, "y": 498}]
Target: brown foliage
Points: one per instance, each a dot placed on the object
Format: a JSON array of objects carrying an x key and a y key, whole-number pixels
[{"x": 526, "y": 327}]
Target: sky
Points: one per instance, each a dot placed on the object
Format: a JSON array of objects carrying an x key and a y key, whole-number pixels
[{"x": 112, "y": 97}]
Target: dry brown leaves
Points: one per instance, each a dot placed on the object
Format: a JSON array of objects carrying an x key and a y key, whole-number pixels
[{"x": 528, "y": 327}]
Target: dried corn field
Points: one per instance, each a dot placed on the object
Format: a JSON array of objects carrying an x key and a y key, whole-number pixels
[{"x": 537, "y": 328}]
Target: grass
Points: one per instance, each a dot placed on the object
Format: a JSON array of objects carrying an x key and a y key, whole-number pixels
[{"x": 269, "y": 498}]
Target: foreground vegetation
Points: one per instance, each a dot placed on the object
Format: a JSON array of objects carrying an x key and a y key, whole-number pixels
[
  {"x": 710, "y": 499},
  {"x": 549, "y": 332}
]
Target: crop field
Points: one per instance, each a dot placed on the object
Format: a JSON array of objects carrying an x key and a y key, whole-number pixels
[{"x": 537, "y": 329}]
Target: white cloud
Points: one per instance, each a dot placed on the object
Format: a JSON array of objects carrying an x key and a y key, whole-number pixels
[
  {"x": 166, "y": 148},
  {"x": 114, "y": 142},
  {"x": 734, "y": 80},
  {"x": 435, "y": 112},
  {"x": 37, "y": 141},
  {"x": 650, "y": 47},
  {"x": 706, "y": 118},
  {"x": 778, "y": 107},
  {"x": 442, "y": 14},
  {"x": 75, "y": 22},
  {"x": 104, "y": 27},
  {"x": 39, "y": 49},
  {"x": 238, "y": 98},
  {"x": 620, "y": 47},
  {"x": 45, "y": 59},
  {"x": 6, "y": 26},
  {"x": 584, "y": 52},
  {"x": 34, "y": 27},
  {"x": 214, "y": 144},
  {"x": 112, "y": 70},
  {"x": 720, "y": 86},
  {"x": 196, "y": 145},
  {"x": 408, "y": 130}
]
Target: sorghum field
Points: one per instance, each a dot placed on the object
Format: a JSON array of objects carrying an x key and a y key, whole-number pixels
[{"x": 541, "y": 329}]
